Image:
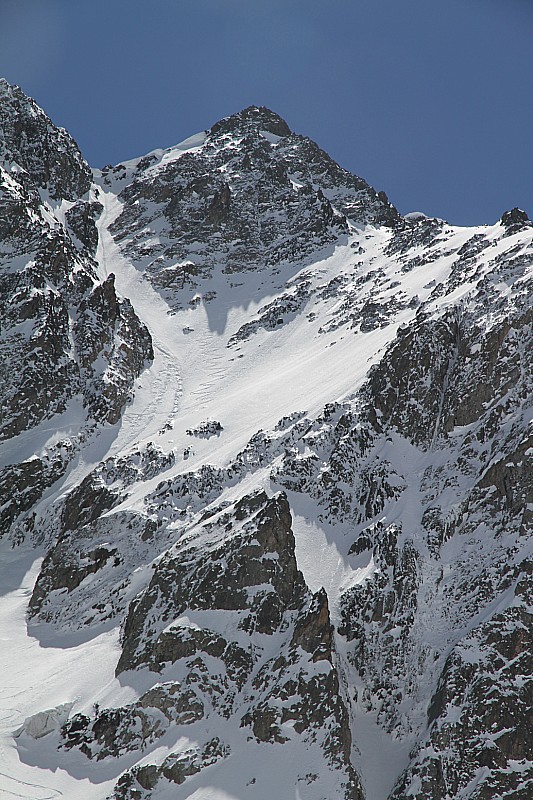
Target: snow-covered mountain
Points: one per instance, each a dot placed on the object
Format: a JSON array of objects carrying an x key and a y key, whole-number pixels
[{"x": 266, "y": 472}]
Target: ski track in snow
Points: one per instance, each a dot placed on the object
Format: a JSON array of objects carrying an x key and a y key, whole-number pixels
[
  {"x": 12, "y": 787},
  {"x": 158, "y": 390}
]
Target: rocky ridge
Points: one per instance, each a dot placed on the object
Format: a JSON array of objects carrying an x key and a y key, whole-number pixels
[
  {"x": 291, "y": 585},
  {"x": 69, "y": 345}
]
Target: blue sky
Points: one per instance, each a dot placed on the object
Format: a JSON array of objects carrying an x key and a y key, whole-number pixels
[{"x": 430, "y": 100}]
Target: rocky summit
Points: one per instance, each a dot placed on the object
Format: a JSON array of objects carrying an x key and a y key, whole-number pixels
[{"x": 266, "y": 470}]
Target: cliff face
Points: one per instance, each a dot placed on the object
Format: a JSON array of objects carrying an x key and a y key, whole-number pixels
[{"x": 274, "y": 444}]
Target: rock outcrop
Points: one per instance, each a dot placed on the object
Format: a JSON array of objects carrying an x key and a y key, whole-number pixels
[{"x": 70, "y": 346}]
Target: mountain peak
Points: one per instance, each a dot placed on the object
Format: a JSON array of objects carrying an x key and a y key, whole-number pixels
[
  {"x": 514, "y": 220},
  {"x": 253, "y": 118},
  {"x": 48, "y": 154}
]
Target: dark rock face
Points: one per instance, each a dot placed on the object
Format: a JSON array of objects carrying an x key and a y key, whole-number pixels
[
  {"x": 252, "y": 119},
  {"x": 109, "y": 326},
  {"x": 314, "y": 633},
  {"x": 81, "y": 221},
  {"x": 515, "y": 220},
  {"x": 135, "y": 783},
  {"x": 237, "y": 571},
  {"x": 114, "y": 732},
  {"x": 402, "y": 388},
  {"x": 23, "y": 484},
  {"x": 48, "y": 156},
  {"x": 480, "y": 713},
  {"x": 225, "y": 580},
  {"x": 85, "y": 545},
  {"x": 68, "y": 341}
]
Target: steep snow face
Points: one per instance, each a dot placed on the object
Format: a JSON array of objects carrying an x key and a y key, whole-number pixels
[{"x": 310, "y": 522}]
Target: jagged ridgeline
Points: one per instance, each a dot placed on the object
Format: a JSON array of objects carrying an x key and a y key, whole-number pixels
[
  {"x": 273, "y": 443},
  {"x": 70, "y": 349}
]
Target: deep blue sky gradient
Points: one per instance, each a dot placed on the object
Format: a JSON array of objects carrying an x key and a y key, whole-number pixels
[{"x": 430, "y": 100}]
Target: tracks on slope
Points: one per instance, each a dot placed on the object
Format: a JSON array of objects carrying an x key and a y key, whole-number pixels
[{"x": 158, "y": 391}]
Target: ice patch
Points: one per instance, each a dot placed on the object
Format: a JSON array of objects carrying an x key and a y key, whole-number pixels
[{"x": 44, "y": 722}]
